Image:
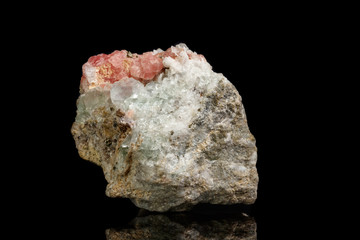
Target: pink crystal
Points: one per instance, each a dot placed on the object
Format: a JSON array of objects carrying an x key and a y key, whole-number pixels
[
  {"x": 109, "y": 68},
  {"x": 146, "y": 66}
]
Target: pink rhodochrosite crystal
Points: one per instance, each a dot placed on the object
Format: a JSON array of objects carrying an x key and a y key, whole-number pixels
[
  {"x": 109, "y": 68},
  {"x": 146, "y": 66}
]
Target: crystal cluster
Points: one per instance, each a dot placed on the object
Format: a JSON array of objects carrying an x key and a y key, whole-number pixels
[{"x": 167, "y": 131}]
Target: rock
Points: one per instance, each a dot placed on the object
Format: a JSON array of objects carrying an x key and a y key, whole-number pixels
[
  {"x": 167, "y": 131},
  {"x": 156, "y": 227}
]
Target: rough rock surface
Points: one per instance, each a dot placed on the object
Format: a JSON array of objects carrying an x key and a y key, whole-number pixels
[
  {"x": 168, "y": 135},
  {"x": 157, "y": 227}
]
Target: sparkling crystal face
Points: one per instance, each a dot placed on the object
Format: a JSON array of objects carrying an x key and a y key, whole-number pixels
[{"x": 103, "y": 69}]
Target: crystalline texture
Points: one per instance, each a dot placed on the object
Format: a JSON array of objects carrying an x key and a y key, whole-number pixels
[{"x": 168, "y": 132}]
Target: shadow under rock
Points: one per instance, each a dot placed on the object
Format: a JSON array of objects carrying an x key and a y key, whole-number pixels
[{"x": 203, "y": 222}]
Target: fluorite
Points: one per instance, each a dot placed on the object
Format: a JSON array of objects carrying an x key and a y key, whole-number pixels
[{"x": 167, "y": 131}]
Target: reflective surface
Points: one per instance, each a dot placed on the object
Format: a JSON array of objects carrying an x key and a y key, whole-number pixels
[{"x": 211, "y": 224}]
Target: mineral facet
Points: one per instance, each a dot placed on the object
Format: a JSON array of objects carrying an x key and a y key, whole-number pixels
[{"x": 167, "y": 131}]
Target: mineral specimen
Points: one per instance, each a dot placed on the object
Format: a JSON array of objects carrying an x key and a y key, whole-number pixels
[{"x": 167, "y": 131}]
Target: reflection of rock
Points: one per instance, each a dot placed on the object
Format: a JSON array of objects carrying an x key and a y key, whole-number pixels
[{"x": 180, "y": 226}]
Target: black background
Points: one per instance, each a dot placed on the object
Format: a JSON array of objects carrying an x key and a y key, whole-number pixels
[{"x": 269, "y": 58}]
